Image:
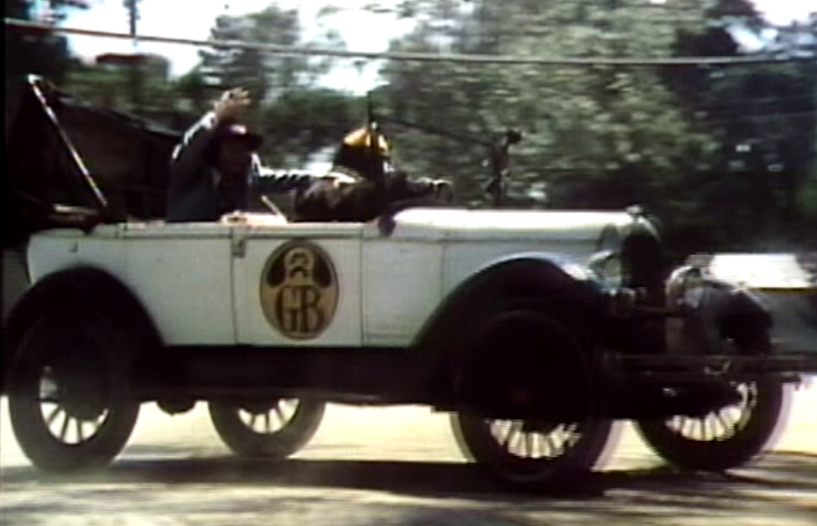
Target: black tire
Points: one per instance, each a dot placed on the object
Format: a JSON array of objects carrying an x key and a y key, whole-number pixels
[
  {"x": 288, "y": 424},
  {"x": 70, "y": 400},
  {"x": 733, "y": 435},
  {"x": 529, "y": 454},
  {"x": 539, "y": 361},
  {"x": 725, "y": 438}
]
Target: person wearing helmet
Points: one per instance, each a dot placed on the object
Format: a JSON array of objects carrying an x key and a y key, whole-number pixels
[
  {"x": 213, "y": 166},
  {"x": 364, "y": 182},
  {"x": 364, "y": 153}
]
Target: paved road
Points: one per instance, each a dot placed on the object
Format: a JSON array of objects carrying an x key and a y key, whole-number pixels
[{"x": 397, "y": 466}]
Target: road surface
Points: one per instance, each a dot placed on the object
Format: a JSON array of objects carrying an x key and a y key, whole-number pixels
[{"x": 397, "y": 466}]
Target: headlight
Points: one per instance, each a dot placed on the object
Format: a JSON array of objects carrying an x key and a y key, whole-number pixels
[{"x": 607, "y": 268}]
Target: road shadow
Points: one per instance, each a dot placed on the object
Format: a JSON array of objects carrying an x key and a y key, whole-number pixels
[{"x": 776, "y": 473}]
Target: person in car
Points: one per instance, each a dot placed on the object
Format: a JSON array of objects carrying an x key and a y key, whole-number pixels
[
  {"x": 367, "y": 184},
  {"x": 212, "y": 168}
]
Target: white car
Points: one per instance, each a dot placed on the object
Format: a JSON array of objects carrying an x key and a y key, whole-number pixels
[{"x": 535, "y": 329}]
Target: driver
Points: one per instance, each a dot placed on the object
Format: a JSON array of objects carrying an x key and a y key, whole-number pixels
[{"x": 211, "y": 169}]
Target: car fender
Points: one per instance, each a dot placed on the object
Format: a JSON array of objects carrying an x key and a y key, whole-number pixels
[
  {"x": 531, "y": 280},
  {"x": 86, "y": 285}
]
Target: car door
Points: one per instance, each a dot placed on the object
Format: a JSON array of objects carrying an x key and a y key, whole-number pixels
[{"x": 297, "y": 285}]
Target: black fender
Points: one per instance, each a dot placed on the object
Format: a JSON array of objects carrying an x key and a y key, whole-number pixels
[
  {"x": 86, "y": 286},
  {"x": 535, "y": 281}
]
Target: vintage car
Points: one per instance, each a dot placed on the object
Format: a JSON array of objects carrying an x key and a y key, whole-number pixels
[{"x": 536, "y": 330}]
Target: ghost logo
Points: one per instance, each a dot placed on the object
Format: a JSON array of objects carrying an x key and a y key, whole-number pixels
[{"x": 299, "y": 290}]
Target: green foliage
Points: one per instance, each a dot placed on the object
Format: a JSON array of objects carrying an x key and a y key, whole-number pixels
[
  {"x": 672, "y": 139},
  {"x": 584, "y": 128},
  {"x": 725, "y": 156},
  {"x": 28, "y": 52},
  {"x": 301, "y": 123},
  {"x": 297, "y": 118}
]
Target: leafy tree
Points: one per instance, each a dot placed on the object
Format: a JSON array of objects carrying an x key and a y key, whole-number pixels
[
  {"x": 614, "y": 130},
  {"x": 764, "y": 117},
  {"x": 301, "y": 123},
  {"x": 297, "y": 117},
  {"x": 29, "y": 52},
  {"x": 264, "y": 75},
  {"x": 711, "y": 150}
]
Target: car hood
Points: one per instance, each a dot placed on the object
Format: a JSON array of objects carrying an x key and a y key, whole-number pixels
[{"x": 507, "y": 225}]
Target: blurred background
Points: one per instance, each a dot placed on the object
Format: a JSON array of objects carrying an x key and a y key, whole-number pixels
[{"x": 724, "y": 155}]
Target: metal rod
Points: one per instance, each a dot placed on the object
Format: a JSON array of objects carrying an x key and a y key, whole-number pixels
[{"x": 99, "y": 198}]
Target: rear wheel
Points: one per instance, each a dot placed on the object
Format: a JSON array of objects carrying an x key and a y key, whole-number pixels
[
  {"x": 274, "y": 428},
  {"x": 70, "y": 402},
  {"x": 529, "y": 363}
]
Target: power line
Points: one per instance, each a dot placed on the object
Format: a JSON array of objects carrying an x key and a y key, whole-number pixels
[
  {"x": 770, "y": 117},
  {"x": 474, "y": 59}
]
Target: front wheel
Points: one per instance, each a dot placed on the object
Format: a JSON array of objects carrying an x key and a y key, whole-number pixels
[
  {"x": 724, "y": 438},
  {"x": 527, "y": 362},
  {"x": 531, "y": 454},
  {"x": 274, "y": 429},
  {"x": 70, "y": 402}
]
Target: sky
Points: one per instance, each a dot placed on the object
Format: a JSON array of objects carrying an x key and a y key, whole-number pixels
[
  {"x": 361, "y": 30},
  {"x": 162, "y": 18}
]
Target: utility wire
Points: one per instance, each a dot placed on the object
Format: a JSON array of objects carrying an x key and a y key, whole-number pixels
[{"x": 415, "y": 56}]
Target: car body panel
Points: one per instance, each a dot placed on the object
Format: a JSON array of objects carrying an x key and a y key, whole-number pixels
[
  {"x": 402, "y": 287},
  {"x": 342, "y": 327},
  {"x": 204, "y": 283}
]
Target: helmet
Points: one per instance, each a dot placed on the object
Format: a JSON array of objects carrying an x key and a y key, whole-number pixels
[{"x": 365, "y": 151}]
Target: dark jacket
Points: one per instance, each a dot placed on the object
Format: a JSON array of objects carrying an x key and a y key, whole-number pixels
[{"x": 195, "y": 195}]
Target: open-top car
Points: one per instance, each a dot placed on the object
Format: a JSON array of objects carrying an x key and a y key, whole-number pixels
[{"x": 536, "y": 330}]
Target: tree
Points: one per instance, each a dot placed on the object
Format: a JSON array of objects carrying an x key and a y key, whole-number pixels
[
  {"x": 301, "y": 123},
  {"x": 614, "y": 130},
  {"x": 713, "y": 150},
  {"x": 29, "y": 52},
  {"x": 263, "y": 74},
  {"x": 297, "y": 118},
  {"x": 765, "y": 118}
]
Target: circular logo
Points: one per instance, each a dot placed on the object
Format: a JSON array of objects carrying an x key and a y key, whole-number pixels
[{"x": 299, "y": 290}]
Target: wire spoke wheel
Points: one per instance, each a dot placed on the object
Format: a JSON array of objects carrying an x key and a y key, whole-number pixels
[
  {"x": 532, "y": 454},
  {"x": 527, "y": 362},
  {"x": 271, "y": 428},
  {"x": 70, "y": 404},
  {"x": 270, "y": 420},
  {"x": 721, "y": 424},
  {"x": 725, "y": 437},
  {"x": 527, "y": 440}
]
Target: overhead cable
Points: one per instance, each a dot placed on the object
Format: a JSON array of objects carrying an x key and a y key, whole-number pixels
[{"x": 473, "y": 59}]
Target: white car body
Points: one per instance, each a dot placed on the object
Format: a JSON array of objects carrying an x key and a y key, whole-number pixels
[{"x": 199, "y": 282}]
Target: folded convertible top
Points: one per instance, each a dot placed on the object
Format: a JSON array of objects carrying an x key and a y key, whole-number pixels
[{"x": 71, "y": 163}]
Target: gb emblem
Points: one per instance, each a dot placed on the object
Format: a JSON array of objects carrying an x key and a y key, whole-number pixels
[{"x": 299, "y": 290}]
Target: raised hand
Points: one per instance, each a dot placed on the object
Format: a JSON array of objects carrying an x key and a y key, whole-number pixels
[{"x": 231, "y": 103}]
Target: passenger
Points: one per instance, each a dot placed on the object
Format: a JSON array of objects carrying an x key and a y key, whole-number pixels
[
  {"x": 364, "y": 157},
  {"x": 212, "y": 168}
]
